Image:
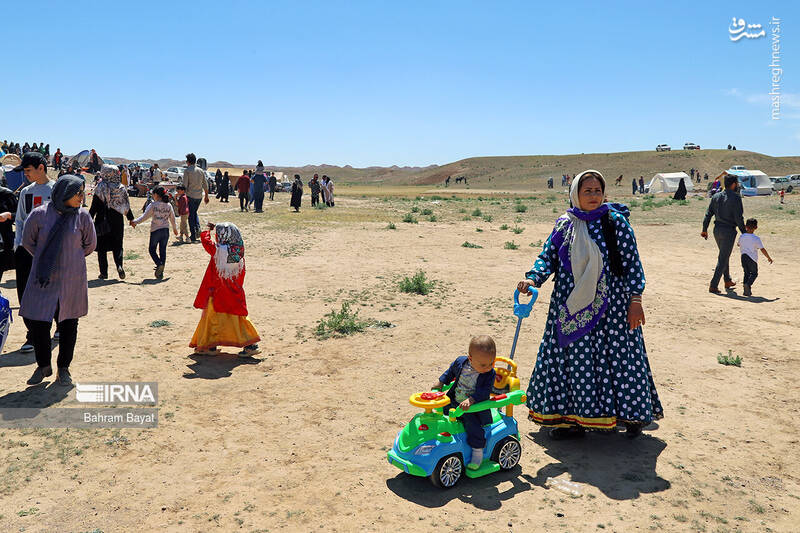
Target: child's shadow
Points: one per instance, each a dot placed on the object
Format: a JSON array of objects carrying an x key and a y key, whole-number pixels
[
  {"x": 753, "y": 299},
  {"x": 216, "y": 366},
  {"x": 620, "y": 468}
]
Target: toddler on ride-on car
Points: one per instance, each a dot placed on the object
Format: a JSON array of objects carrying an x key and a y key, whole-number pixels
[{"x": 472, "y": 378}]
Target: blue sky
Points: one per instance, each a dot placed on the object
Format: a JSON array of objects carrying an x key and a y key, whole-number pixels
[{"x": 406, "y": 83}]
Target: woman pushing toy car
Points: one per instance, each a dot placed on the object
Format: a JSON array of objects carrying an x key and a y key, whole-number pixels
[{"x": 592, "y": 370}]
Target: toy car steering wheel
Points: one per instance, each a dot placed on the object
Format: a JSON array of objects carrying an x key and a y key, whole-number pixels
[{"x": 429, "y": 400}]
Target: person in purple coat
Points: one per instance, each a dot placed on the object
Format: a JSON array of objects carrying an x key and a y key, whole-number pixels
[{"x": 59, "y": 236}]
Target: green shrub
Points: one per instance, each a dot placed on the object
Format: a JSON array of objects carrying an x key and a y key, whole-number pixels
[
  {"x": 391, "y": 226},
  {"x": 517, "y": 230},
  {"x": 414, "y": 209},
  {"x": 427, "y": 211},
  {"x": 504, "y": 227},
  {"x": 487, "y": 218},
  {"x": 476, "y": 212},
  {"x": 510, "y": 245},
  {"x": 417, "y": 284},
  {"x": 468, "y": 244},
  {"x": 520, "y": 208},
  {"x": 432, "y": 218},
  {"x": 340, "y": 323},
  {"x": 409, "y": 218},
  {"x": 729, "y": 360},
  {"x": 159, "y": 323},
  {"x": 479, "y": 230}
]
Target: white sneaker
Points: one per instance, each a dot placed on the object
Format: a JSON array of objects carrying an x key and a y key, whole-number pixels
[{"x": 26, "y": 348}]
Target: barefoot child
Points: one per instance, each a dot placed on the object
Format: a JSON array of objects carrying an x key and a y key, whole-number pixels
[
  {"x": 472, "y": 377},
  {"x": 221, "y": 296},
  {"x": 750, "y": 244},
  {"x": 163, "y": 217}
]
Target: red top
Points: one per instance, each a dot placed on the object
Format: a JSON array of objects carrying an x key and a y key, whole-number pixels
[
  {"x": 183, "y": 205},
  {"x": 243, "y": 185},
  {"x": 228, "y": 294}
]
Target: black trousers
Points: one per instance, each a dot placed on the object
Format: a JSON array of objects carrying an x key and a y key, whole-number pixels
[
  {"x": 726, "y": 238},
  {"x": 102, "y": 260},
  {"x": 22, "y": 263},
  {"x": 40, "y": 338},
  {"x": 750, "y": 269},
  {"x": 244, "y": 197}
]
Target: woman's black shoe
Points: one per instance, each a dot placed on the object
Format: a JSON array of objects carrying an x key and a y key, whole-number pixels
[
  {"x": 567, "y": 433},
  {"x": 632, "y": 430}
]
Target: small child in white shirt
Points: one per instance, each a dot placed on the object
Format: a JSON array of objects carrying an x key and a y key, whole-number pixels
[{"x": 749, "y": 244}]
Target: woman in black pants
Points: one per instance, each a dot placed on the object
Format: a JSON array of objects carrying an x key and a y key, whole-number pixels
[
  {"x": 59, "y": 236},
  {"x": 109, "y": 205}
]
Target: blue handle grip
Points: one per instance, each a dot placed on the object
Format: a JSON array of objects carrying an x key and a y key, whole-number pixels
[{"x": 524, "y": 310}]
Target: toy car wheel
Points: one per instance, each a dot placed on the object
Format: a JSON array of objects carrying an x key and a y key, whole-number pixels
[
  {"x": 448, "y": 471},
  {"x": 507, "y": 453}
]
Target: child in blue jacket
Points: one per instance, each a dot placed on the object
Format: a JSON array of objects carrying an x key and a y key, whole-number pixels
[{"x": 472, "y": 377}]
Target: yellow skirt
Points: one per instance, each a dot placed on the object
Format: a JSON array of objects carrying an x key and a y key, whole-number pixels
[{"x": 223, "y": 329}]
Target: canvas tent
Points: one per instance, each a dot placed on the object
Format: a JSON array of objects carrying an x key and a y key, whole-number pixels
[
  {"x": 667, "y": 182},
  {"x": 753, "y": 182}
]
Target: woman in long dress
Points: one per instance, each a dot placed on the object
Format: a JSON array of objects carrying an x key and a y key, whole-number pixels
[
  {"x": 592, "y": 370},
  {"x": 297, "y": 193},
  {"x": 110, "y": 205}
]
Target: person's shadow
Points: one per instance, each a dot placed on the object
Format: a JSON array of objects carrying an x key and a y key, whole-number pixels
[
  {"x": 97, "y": 282},
  {"x": 36, "y": 396},
  {"x": 9, "y": 284},
  {"x": 17, "y": 358},
  {"x": 480, "y": 492},
  {"x": 619, "y": 467},
  {"x": 216, "y": 366},
  {"x": 753, "y": 299}
]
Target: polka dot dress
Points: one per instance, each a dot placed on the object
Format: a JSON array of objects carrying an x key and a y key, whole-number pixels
[{"x": 604, "y": 377}]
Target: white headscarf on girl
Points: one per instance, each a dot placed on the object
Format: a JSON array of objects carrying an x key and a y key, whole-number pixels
[{"x": 584, "y": 254}]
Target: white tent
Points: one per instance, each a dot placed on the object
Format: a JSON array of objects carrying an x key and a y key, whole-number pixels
[
  {"x": 753, "y": 182},
  {"x": 667, "y": 182}
]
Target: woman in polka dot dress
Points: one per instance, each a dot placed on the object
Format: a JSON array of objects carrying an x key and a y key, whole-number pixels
[{"x": 592, "y": 370}]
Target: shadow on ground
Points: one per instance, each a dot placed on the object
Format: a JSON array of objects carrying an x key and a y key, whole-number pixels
[
  {"x": 216, "y": 366},
  {"x": 619, "y": 467},
  {"x": 480, "y": 492},
  {"x": 37, "y": 396}
]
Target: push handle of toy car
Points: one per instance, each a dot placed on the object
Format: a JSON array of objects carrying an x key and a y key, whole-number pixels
[{"x": 522, "y": 311}]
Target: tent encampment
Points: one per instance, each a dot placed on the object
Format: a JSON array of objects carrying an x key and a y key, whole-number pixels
[
  {"x": 753, "y": 182},
  {"x": 667, "y": 182}
]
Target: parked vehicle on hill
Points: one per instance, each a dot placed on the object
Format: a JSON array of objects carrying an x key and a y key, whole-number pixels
[
  {"x": 174, "y": 173},
  {"x": 691, "y": 146},
  {"x": 663, "y": 148},
  {"x": 109, "y": 161},
  {"x": 782, "y": 183}
]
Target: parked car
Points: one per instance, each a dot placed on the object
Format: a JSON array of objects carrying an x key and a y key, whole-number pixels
[
  {"x": 782, "y": 183},
  {"x": 795, "y": 179},
  {"x": 174, "y": 173},
  {"x": 108, "y": 161},
  {"x": 663, "y": 148},
  {"x": 691, "y": 146}
]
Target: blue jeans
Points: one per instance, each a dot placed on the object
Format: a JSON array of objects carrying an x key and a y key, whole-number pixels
[
  {"x": 473, "y": 425},
  {"x": 158, "y": 239},
  {"x": 194, "y": 222}
]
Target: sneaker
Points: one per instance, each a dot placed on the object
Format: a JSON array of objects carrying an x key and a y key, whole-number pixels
[
  {"x": 26, "y": 348},
  {"x": 102, "y": 276},
  {"x": 121, "y": 272},
  {"x": 747, "y": 290},
  {"x": 39, "y": 374},
  {"x": 632, "y": 430},
  {"x": 160, "y": 272},
  {"x": 250, "y": 351},
  {"x": 56, "y": 336},
  {"x": 63, "y": 377}
]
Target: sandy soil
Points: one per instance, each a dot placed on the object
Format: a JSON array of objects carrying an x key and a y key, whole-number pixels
[{"x": 296, "y": 439}]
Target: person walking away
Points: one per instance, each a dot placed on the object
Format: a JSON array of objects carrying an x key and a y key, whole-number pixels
[
  {"x": 680, "y": 194},
  {"x": 243, "y": 187},
  {"x": 633, "y": 184},
  {"x": 196, "y": 184},
  {"x": 250, "y": 193},
  {"x": 163, "y": 217},
  {"x": 58, "y": 235},
  {"x": 225, "y": 187},
  {"x": 727, "y": 210},
  {"x": 32, "y": 196},
  {"x": 8, "y": 206},
  {"x": 315, "y": 187},
  {"x": 221, "y": 296},
  {"x": 110, "y": 204},
  {"x": 749, "y": 244},
  {"x": 641, "y": 184},
  {"x": 259, "y": 182},
  {"x": 183, "y": 212},
  {"x": 297, "y": 193},
  {"x": 273, "y": 184},
  {"x": 329, "y": 191}
]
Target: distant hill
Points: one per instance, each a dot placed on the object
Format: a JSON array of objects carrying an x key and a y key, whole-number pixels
[{"x": 516, "y": 172}]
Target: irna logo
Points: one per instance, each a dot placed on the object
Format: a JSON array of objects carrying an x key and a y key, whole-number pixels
[{"x": 117, "y": 393}]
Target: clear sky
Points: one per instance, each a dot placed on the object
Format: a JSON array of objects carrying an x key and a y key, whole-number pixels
[{"x": 403, "y": 82}]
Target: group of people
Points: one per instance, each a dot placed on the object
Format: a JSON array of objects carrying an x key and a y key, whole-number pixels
[
  {"x": 252, "y": 186},
  {"x": 52, "y": 235},
  {"x": 11, "y": 147}
]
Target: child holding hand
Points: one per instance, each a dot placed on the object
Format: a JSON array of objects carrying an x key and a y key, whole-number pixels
[
  {"x": 472, "y": 377},
  {"x": 749, "y": 244},
  {"x": 163, "y": 216}
]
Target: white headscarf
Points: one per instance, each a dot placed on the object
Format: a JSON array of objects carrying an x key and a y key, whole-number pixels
[{"x": 584, "y": 254}]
